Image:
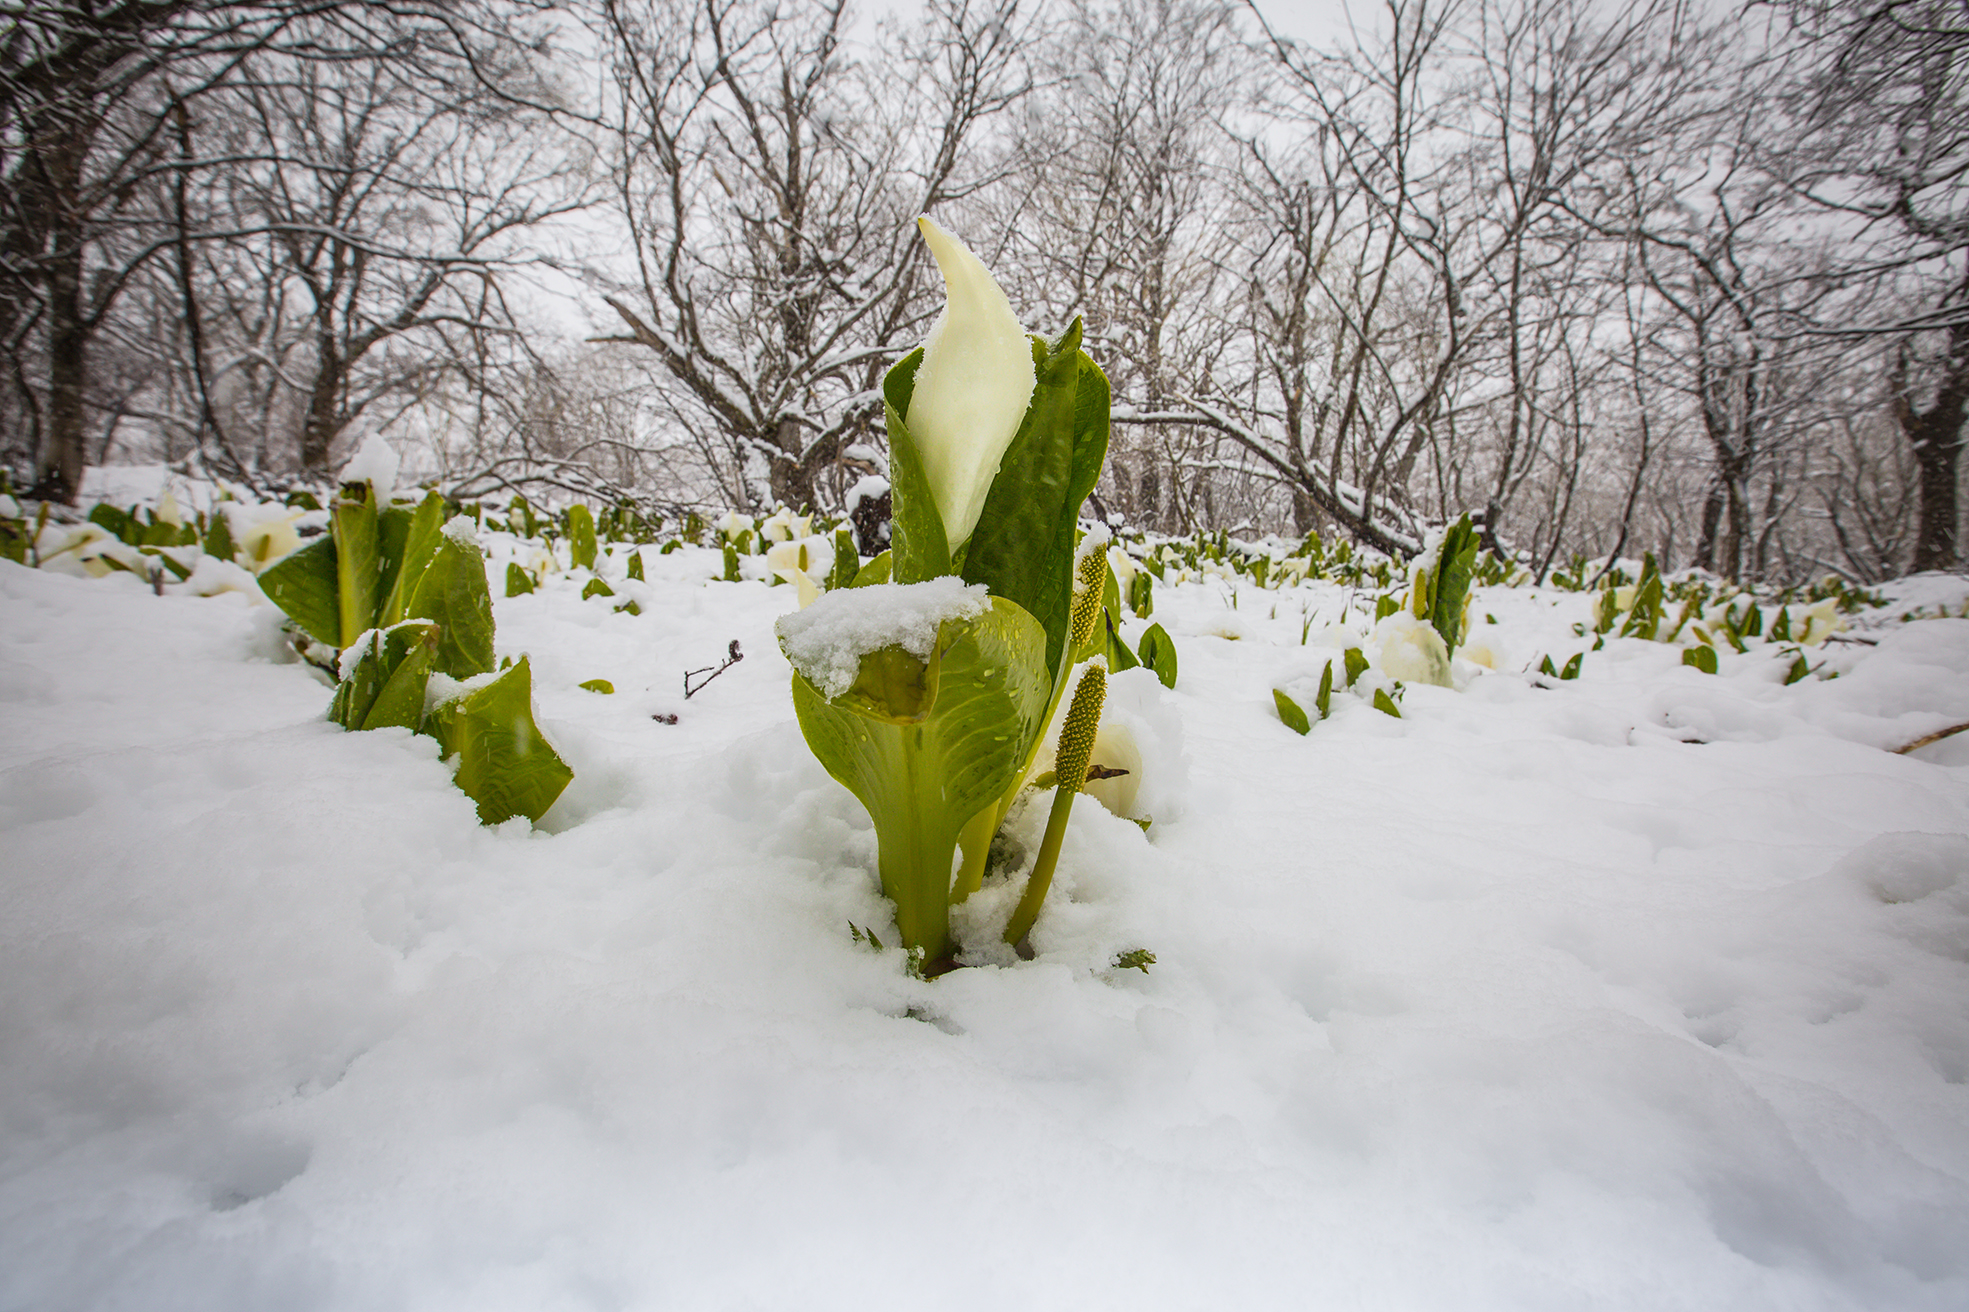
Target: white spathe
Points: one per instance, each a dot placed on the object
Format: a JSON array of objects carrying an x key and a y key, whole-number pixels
[
  {"x": 1411, "y": 651},
  {"x": 972, "y": 387}
]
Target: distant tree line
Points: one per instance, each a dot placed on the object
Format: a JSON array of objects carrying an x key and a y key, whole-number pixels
[{"x": 1614, "y": 277}]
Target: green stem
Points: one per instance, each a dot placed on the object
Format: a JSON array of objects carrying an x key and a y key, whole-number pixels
[{"x": 1042, "y": 869}]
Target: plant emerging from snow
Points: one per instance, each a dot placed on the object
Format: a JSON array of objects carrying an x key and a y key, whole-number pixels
[{"x": 996, "y": 438}]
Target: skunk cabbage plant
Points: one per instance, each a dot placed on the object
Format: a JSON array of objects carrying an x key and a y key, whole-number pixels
[
  {"x": 401, "y": 593},
  {"x": 927, "y": 695}
]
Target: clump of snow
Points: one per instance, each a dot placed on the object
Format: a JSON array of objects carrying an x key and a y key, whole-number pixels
[
  {"x": 827, "y": 640},
  {"x": 461, "y": 530},
  {"x": 375, "y": 463},
  {"x": 867, "y": 488}
]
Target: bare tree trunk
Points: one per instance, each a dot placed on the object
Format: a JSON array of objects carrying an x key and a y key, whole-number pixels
[
  {"x": 59, "y": 470},
  {"x": 1935, "y": 437},
  {"x": 319, "y": 429}
]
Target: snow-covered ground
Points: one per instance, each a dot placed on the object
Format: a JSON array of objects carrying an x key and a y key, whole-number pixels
[{"x": 1648, "y": 990}]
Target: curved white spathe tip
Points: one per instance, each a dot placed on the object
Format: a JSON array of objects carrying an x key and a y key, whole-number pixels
[{"x": 972, "y": 388}]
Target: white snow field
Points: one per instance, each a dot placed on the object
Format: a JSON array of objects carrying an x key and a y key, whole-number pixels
[{"x": 1648, "y": 990}]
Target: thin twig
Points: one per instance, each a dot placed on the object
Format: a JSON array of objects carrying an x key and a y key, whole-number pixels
[
  {"x": 1934, "y": 737},
  {"x": 710, "y": 672}
]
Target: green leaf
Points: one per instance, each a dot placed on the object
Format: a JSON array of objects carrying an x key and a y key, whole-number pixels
[
  {"x": 1799, "y": 669},
  {"x": 1135, "y": 959},
  {"x": 1324, "y": 702},
  {"x": 1455, "y": 569},
  {"x": 580, "y": 536},
  {"x": 453, "y": 592},
  {"x": 1158, "y": 652},
  {"x": 731, "y": 574},
  {"x": 1290, "y": 713},
  {"x": 1572, "y": 666},
  {"x": 875, "y": 571},
  {"x": 1546, "y": 667},
  {"x": 303, "y": 583},
  {"x": 1118, "y": 655},
  {"x": 409, "y": 540},
  {"x": 1141, "y": 594},
  {"x": 359, "y": 561},
  {"x": 1355, "y": 662},
  {"x": 1386, "y": 704},
  {"x": 1702, "y": 658},
  {"x": 919, "y": 542},
  {"x": 1387, "y": 605},
  {"x": 301, "y": 499},
  {"x": 386, "y": 685},
  {"x": 504, "y": 764},
  {"x": 847, "y": 561},
  {"x": 1023, "y": 546},
  {"x": 598, "y": 685},
  {"x": 218, "y": 536},
  {"x": 116, "y": 522},
  {"x": 596, "y": 588},
  {"x": 518, "y": 581},
  {"x": 926, "y": 749},
  {"x": 636, "y": 565}
]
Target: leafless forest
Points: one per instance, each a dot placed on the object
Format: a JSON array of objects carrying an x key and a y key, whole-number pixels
[{"x": 1613, "y": 277}]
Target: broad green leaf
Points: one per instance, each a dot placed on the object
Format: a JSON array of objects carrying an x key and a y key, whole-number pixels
[
  {"x": 1323, "y": 703},
  {"x": 636, "y": 565},
  {"x": 359, "y": 560},
  {"x": 408, "y": 650},
  {"x": 1572, "y": 666},
  {"x": 919, "y": 545},
  {"x": 1158, "y": 652},
  {"x": 1024, "y": 543},
  {"x": 1355, "y": 661},
  {"x": 453, "y": 592},
  {"x": 925, "y": 753},
  {"x": 386, "y": 685},
  {"x": 596, "y": 588},
  {"x": 1546, "y": 667},
  {"x": 504, "y": 764},
  {"x": 303, "y": 583},
  {"x": 875, "y": 571},
  {"x": 409, "y": 542},
  {"x": 1386, "y": 704},
  {"x": 1118, "y": 654},
  {"x": 1455, "y": 570},
  {"x": 580, "y": 536},
  {"x": 1799, "y": 669},
  {"x": 518, "y": 581},
  {"x": 114, "y": 520},
  {"x": 1702, "y": 658},
  {"x": 847, "y": 561},
  {"x": 218, "y": 535},
  {"x": 602, "y": 686},
  {"x": 1290, "y": 713},
  {"x": 1141, "y": 594}
]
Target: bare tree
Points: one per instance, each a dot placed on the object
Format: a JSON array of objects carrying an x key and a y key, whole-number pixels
[{"x": 768, "y": 179}]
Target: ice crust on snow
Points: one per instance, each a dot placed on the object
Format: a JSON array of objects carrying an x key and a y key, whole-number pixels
[{"x": 827, "y": 640}]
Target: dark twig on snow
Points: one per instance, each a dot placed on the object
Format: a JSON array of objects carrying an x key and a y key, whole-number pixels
[
  {"x": 1934, "y": 737},
  {"x": 710, "y": 672}
]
